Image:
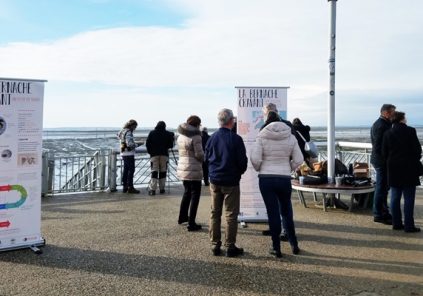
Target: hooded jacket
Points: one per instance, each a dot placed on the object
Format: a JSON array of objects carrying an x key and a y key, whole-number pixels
[
  {"x": 191, "y": 153},
  {"x": 159, "y": 140},
  {"x": 276, "y": 151},
  {"x": 126, "y": 136}
]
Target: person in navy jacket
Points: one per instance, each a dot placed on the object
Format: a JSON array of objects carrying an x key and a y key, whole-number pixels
[{"x": 227, "y": 160}]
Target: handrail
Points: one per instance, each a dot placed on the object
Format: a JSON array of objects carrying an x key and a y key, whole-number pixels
[
  {"x": 102, "y": 170},
  {"x": 93, "y": 170},
  {"x": 354, "y": 145}
]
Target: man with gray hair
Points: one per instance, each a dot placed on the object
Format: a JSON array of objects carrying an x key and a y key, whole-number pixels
[
  {"x": 270, "y": 107},
  {"x": 227, "y": 160}
]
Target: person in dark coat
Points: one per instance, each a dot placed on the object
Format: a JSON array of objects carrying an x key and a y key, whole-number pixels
[
  {"x": 226, "y": 155},
  {"x": 304, "y": 130},
  {"x": 158, "y": 143},
  {"x": 380, "y": 201},
  {"x": 402, "y": 151},
  {"x": 204, "y": 138}
]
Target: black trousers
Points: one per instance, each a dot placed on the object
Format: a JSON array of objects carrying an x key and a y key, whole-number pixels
[
  {"x": 190, "y": 201},
  {"x": 206, "y": 173},
  {"x": 128, "y": 171}
]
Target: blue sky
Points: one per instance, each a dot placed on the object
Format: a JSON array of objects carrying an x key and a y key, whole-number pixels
[
  {"x": 108, "y": 61},
  {"x": 46, "y": 20}
]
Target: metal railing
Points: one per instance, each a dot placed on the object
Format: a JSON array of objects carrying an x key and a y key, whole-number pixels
[
  {"x": 86, "y": 173},
  {"x": 351, "y": 152},
  {"x": 102, "y": 170}
]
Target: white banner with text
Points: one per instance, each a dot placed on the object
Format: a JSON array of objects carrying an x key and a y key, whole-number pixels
[
  {"x": 251, "y": 101},
  {"x": 21, "y": 126}
]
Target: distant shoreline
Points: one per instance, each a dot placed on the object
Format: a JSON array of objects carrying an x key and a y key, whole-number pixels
[
  {"x": 76, "y": 141},
  {"x": 109, "y": 129}
]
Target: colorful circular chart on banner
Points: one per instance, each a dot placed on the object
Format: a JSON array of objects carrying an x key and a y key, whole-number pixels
[{"x": 17, "y": 204}]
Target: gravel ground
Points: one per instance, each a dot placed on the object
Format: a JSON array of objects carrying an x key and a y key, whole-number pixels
[{"x": 118, "y": 244}]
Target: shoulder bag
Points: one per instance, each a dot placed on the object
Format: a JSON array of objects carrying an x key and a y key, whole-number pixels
[{"x": 309, "y": 147}]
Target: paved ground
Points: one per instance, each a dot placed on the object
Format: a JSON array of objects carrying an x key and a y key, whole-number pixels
[{"x": 115, "y": 244}]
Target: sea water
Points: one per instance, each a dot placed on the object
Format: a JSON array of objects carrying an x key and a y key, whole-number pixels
[{"x": 80, "y": 141}]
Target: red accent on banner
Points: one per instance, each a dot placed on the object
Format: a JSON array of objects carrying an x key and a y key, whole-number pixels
[
  {"x": 5, "y": 188},
  {"x": 4, "y": 224}
]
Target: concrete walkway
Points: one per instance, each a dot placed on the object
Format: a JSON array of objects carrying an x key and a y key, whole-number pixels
[{"x": 118, "y": 244}]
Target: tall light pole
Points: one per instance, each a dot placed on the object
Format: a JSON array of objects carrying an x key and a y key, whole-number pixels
[{"x": 331, "y": 99}]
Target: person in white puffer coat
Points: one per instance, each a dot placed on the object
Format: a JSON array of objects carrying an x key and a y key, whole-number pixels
[{"x": 275, "y": 155}]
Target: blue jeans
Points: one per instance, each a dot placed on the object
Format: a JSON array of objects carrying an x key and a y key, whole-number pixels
[
  {"x": 380, "y": 200},
  {"x": 128, "y": 171},
  {"x": 276, "y": 193},
  {"x": 409, "y": 197}
]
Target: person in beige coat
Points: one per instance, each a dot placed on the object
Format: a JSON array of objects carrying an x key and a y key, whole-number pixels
[
  {"x": 190, "y": 170},
  {"x": 275, "y": 155}
]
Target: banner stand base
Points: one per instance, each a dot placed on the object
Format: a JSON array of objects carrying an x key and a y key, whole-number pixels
[
  {"x": 243, "y": 221},
  {"x": 36, "y": 250},
  {"x": 34, "y": 247}
]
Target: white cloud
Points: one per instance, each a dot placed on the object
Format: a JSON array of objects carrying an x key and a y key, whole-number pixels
[
  {"x": 111, "y": 107},
  {"x": 228, "y": 43}
]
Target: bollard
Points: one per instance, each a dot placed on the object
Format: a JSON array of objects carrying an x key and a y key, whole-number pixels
[
  {"x": 50, "y": 173},
  {"x": 102, "y": 171},
  {"x": 44, "y": 174},
  {"x": 112, "y": 171}
]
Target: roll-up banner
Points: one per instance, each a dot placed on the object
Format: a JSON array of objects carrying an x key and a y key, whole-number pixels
[
  {"x": 250, "y": 119},
  {"x": 21, "y": 126}
]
